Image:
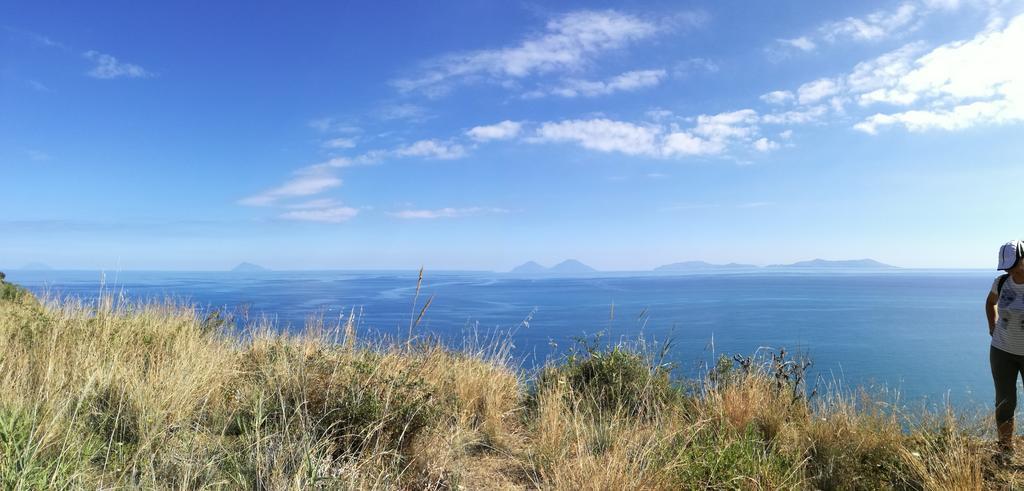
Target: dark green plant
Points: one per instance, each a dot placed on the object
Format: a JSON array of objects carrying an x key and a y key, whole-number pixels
[
  {"x": 112, "y": 415},
  {"x": 710, "y": 459},
  {"x": 26, "y": 464},
  {"x": 613, "y": 379},
  {"x": 350, "y": 402}
]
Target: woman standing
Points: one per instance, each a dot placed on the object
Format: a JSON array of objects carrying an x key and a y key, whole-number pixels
[{"x": 1005, "y": 310}]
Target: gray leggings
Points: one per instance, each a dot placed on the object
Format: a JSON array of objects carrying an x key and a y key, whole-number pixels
[{"x": 1005, "y": 367}]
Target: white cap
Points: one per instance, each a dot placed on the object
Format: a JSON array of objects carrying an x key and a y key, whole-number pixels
[{"x": 1009, "y": 253}]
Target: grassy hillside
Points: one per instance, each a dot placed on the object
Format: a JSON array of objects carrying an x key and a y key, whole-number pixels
[{"x": 119, "y": 395}]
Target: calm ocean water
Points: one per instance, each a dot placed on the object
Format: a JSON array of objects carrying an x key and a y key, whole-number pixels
[{"x": 921, "y": 333}]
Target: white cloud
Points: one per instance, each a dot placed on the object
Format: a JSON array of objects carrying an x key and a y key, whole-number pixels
[
  {"x": 410, "y": 112},
  {"x": 308, "y": 182},
  {"x": 322, "y": 215},
  {"x": 778, "y": 97},
  {"x": 796, "y": 116},
  {"x": 686, "y": 67},
  {"x": 625, "y": 82},
  {"x": 567, "y": 43},
  {"x": 500, "y": 131},
  {"x": 881, "y": 24},
  {"x": 765, "y": 145},
  {"x": 723, "y": 126},
  {"x": 884, "y": 70},
  {"x": 683, "y": 144},
  {"x": 957, "y": 85},
  {"x": 446, "y": 213},
  {"x": 314, "y": 204},
  {"x": 433, "y": 149},
  {"x": 340, "y": 143},
  {"x": 602, "y": 134},
  {"x": 332, "y": 125},
  {"x": 785, "y": 135},
  {"x": 803, "y": 43},
  {"x": 711, "y": 135},
  {"x": 108, "y": 67},
  {"x": 956, "y": 118},
  {"x": 658, "y": 114},
  {"x": 872, "y": 27},
  {"x": 817, "y": 90}
]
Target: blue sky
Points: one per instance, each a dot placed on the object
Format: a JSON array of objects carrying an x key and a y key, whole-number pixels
[{"x": 482, "y": 134}]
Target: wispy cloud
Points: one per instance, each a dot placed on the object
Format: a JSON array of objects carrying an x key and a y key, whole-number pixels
[
  {"x": 433, "y": 149},
  {"x": 314, "y": 204},
  {"x": 341, "y": 142},
  {"x": 954, "y": 86},
  {"x": 765, "y": 145},
  {"x": 797, "y": 116},
  {"x": 413, "y": 214},
  {"x": 690, "y": 66},
  {"x": 108, "y": 67},
  {"x": 37, "y": 86},
  {"x": 37, "y": 155},
  {"x": 802, "y": 43},
  {"x": 707, "y": 206},
  {"x": 755, "y": 204},
  {"x": 874, "y": 26},
  {"x": 408, "y": 112},
  {"x": 307, "y": 182},
  {"x": 604, "y": 135},
  {"x": 333, "y": 125},
  {"x": 501, "y": 131},
  {"x": 322, "y": 215},
  {"x": 625, "y": 82},
  {"x": 778, "y": 97},
  {"x": 817, "y": 90},
  {"x": 36, "y": 38},
  {"x": 567, "y": 43},
  {"x": 712, "y": 134}
]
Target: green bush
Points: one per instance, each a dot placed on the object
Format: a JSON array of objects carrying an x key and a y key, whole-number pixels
[
  {"x": 12, "y": 292},
  {"x": 712, "y": 459},
  {"x": 613, "y": 379},
  {"x": 346, "y": 399}
]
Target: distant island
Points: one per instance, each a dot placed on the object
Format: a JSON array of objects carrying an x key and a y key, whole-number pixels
[
  {"x": 36, "y": 266},
  {"x": 249, "y": 268},
  {"x": 529, "y": 267},
  {"x": 844, "y": 264},
  {"x": 564, "y": 268},
  {"x": 687, "y": 266},
  {"x": 572, "y": 267}
]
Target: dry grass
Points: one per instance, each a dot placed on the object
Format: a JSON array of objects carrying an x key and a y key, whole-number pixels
[{"x": 119, "y": 395}]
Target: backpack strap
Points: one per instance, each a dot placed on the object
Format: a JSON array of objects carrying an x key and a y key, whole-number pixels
[{"x": 1002, "y": 281}]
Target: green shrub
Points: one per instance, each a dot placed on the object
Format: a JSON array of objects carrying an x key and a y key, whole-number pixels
[
  {"x": 713, "y": 459},
  {"x": 613, "y": 379},
  {"x": 13, "y": 293},
  {"x": 346, "y": 399}
]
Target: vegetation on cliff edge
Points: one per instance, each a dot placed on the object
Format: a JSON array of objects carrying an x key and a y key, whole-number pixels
[{"x": 114, "y": 394}]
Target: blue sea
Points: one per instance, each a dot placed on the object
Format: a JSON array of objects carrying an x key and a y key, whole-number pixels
[{"x": 919, "y": 334}]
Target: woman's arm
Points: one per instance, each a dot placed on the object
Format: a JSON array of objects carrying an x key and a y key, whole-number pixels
[{"x": 991, "y": 312}]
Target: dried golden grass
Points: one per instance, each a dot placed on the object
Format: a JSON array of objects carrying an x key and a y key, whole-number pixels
[{"x": 115, "y": 394}]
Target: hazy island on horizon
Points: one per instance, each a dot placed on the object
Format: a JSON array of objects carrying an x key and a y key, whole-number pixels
[{"x": 575, "y": 267}]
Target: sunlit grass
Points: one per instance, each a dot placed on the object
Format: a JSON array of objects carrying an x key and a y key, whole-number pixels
[{"x": 113, "y": 394}]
